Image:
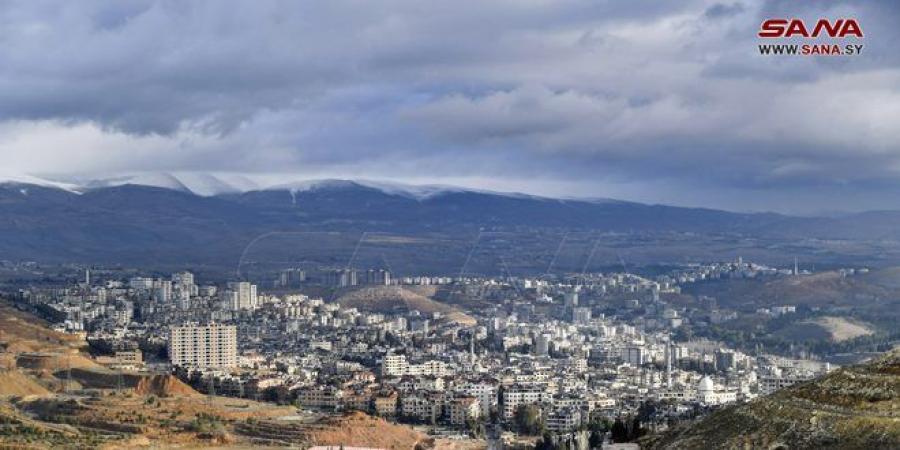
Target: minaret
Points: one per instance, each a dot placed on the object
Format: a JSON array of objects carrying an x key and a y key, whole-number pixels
[{"x": 669, "y": 363}]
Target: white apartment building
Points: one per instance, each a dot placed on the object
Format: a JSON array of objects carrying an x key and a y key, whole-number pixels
[
  {"x": 485, "y": 392},
  {"x": 518, "y": 395},
  {"x": 203, "y": 346},
  {"x": 394, "y": 365},
  {"x": 140, "y": 283},
  {"x": 770, "y": 383},
  {"x": 398, "y": 366},
  {"x": 428, "y": 369}
]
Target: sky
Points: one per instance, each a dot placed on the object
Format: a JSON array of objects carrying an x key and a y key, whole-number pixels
[{"x": 645, "y": 100}]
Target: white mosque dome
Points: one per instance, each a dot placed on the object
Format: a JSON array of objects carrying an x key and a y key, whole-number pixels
[{"x": 706, "y": 385}]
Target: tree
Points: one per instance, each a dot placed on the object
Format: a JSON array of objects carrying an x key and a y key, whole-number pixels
[
  {"x": 545, "y": 442},
  {"x": 619, "y": 431},
  {"x": 476, "y": 428},
  {"x": 601, "y": 424},
  {"x": 597, "y": 428},
  {"x": 647, "y": 411},
  {"x": 596, "y": 439},
  {"x": 636, "y": 429},
  {"x": 528, "y": 420}
]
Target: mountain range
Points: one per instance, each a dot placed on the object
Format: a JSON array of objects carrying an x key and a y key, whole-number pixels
[{"x": 205, "y": 220}]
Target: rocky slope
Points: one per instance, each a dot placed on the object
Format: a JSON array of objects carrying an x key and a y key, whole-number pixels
[
  {"x": 163, "y": 386},
  {"x": 856, "y": 407}
]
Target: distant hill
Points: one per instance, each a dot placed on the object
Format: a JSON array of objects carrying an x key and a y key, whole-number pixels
[
  {"x": 834, "y": 329},
  {"x": 387, "y": 299},
  {"x": 822, "y": 289},
  {"x": 851, "y": 408},
  {"x": 172, "y": 225}
]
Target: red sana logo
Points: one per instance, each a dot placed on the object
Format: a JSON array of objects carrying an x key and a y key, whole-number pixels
[{"x": 786, "y": 28}]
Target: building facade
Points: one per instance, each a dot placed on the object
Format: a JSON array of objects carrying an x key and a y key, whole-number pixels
[{"x": 203, "y": 346}]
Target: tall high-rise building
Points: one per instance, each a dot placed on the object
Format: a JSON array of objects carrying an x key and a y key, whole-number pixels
[
  {"x": 183, "y": 278},
  {"x": 581, "y": 315},
  {"x": 162, "y": 291},
  {"x": 542, "y": 344},
  {"x": 378, "y": 277},
  {"x": 184, "y": 288},
  {"x": 203, "y": 346},
  {"x": 240, "y": 295},
  {"x": 571, "y": 299},
  {"x": 290, "y": 278},
  {"x": 341, "y": 278},
  {"x": 635, "y": 355}
]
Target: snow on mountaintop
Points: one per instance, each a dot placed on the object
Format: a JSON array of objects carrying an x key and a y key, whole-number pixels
[
  {"x": 417, "y": 192},
  {"x": 211, "y": 184},
  {"x": 199, "y": 183},
  {"x": 28, "y": 179}
]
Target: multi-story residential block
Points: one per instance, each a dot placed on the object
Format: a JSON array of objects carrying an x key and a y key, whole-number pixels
[
  {"x": 461, "y": 410},
  {"x": 485, "y": 392},
  {"x": 635, "y": 355},
  {"x": 203, "y": 346},
  {"x": 561, "y": 420},
  {"x": 522, "y": 394},
  {"x": 386, "y": 405},
  {"x": 397, "y": 366},
  {"x": 426, "y": 408},
  {"x": 394, "y": 365},
  {"x": 328, "y": 397}
]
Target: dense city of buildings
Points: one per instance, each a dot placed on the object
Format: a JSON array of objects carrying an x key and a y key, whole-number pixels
[{"x": 540, "y": 344}]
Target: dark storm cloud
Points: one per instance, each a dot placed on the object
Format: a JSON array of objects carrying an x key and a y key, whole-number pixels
[
  {"x": 152, "y": 67},
  {"x": 606, "y": 92},
  {"x": 723, "y": 10}
]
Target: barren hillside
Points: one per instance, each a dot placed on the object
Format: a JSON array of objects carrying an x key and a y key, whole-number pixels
[{"x": 391, "y": 298}]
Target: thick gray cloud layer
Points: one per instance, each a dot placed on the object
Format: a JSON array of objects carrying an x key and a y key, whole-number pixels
[{"x": 642, "y": 99}]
